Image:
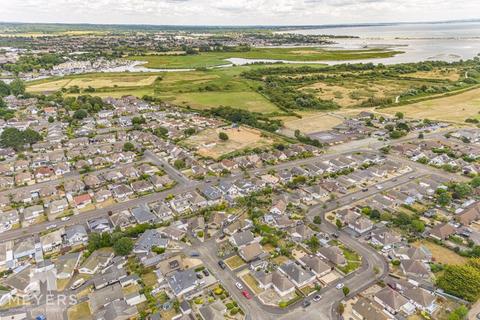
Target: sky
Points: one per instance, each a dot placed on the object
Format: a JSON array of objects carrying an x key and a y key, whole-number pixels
[{"x": 236, "y": 12}]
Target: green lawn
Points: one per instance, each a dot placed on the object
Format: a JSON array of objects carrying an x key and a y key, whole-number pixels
[
  {"x": 211, "y": 59},
  {"x": 250, "y": 101}
]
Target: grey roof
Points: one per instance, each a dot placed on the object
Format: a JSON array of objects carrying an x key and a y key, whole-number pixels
[
  {"x": 182, "y": 280},
  {"x": 391, "y": 298},
  {"x": 143, "y": 215},
  {"x": 111, "y": 275},
  {"x": 243, "y": 238},
  {"x": 296, "y": 273},
  {"x": 368, "y": 310},
  {"x": 316, "y": 264},
  {"x": 71, "y": 231},
  {"x": 149, "y": 239}
]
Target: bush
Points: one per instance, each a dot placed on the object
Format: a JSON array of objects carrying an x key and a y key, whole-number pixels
[{"x": 223, "y": 136}]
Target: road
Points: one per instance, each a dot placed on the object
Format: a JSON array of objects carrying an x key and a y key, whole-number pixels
[{"x": 169, "y": 169}]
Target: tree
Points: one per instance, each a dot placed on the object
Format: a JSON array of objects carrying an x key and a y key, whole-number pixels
[
  {"x": 179, "y": 164},
  {"x": 223, "y": 136},
  {"x": 444, "y": 198},
  {"x": 475, "y": 182},
  {"x": 339, "y": 224},
  {"x": 123, "y": 246},
  {"x": 189, "y": 131},
  {"x": 317, "y": 220},
  {"x": 462, "y": 190},
  {"x": 341, "y": 308},
  {"x": 160, "y": 132},
  {"x": 138, "y": 120},
  {"x": 313, "y": 243},
  {"x": 4, "y": 89},
  {"x": 459, "y": 313},
  {"x": 80, "y": 114},
  {"x": 346, "y": 291},
  {"x": 16, "y": 139},
  {"x": 128, "y": 146},
  {"x": 17, "y": 87},
  {"x": 418, "y": 225},
  {"x": 51, "y": 119},
  {"x": 462, "y": 281},
  {"x": 399, "y": 115}
]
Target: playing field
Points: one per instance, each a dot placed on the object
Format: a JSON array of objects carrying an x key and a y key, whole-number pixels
[
  {"x": 310, "y": 122},
  {"x": 208, "y": 144},
  {"x": 211, "y": 59},
  {"x": 454, "y": 108}
]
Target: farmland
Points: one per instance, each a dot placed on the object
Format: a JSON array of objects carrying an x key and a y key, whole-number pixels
[
  {"x": 212, "y": 59},
  {"x": 208, "y": 144}
]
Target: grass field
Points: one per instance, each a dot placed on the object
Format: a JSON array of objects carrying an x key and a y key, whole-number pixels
[
  {"x": 349, "y": 92},
  {"x": 209, "y": 145},
  {"x": 309, "y": 123},
  {"x": 197, "y": 89},
  {"x": 454, "y": 108},
  {"x": 441, "y": 254},
  {"x": 211, "y": 59},
  {"x": 436, "y": 74},
  {"x": 97, "y": 82},
  {"x": 251, "y": 101}
]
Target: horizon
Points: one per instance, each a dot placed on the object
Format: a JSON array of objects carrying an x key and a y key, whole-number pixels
[
  {"x": 266, "y": 26},
  {"x": 235, "y": 12}
]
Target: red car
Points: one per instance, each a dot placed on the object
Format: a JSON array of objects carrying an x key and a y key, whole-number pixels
[{"x": 246, "y": 294}]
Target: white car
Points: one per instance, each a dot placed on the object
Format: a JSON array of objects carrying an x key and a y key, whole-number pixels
[
  {"x": 51, "y": 226},
  {"x": 65, "y": 218},
  {"x": 239, "y": 286},
  {"x": 379, "y": 187},
  {"x": 317, "y": 298},
  {"x": 340, "y": 286}
]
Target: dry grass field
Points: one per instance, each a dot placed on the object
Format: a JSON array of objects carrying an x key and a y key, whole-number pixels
[
  {"x": 94, "y": 82},
  {"x": 208, "y": 144},
  {"x": 351, "y": 93},
  {"x": 310, "y": 122},
  {"x": 437, "y": 74},
  {"x": 441, "y": 254},
  {"x": 455, "y": 108}
]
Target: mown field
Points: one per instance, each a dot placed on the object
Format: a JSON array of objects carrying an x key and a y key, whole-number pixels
[{"x": 212, "y": 59}]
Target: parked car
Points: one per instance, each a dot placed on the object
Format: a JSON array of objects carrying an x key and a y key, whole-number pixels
[
  {"x": 317, "y": 298},
  {"x": 239, "y": 285},
  {"x": 246, "y": 294},
  {"x": 205, "y": 272},
  {"x": 339, "y": 286},
  {"x": 222, "y": 264},
  {"x": 306, "y": 303},
  {"x": 199, "y": 275}
]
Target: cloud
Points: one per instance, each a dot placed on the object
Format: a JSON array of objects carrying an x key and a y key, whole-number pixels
[{"x": 235, "y": 12}]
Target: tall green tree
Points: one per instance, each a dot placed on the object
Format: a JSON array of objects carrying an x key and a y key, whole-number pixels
[{"x": 17, "y": 87}]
